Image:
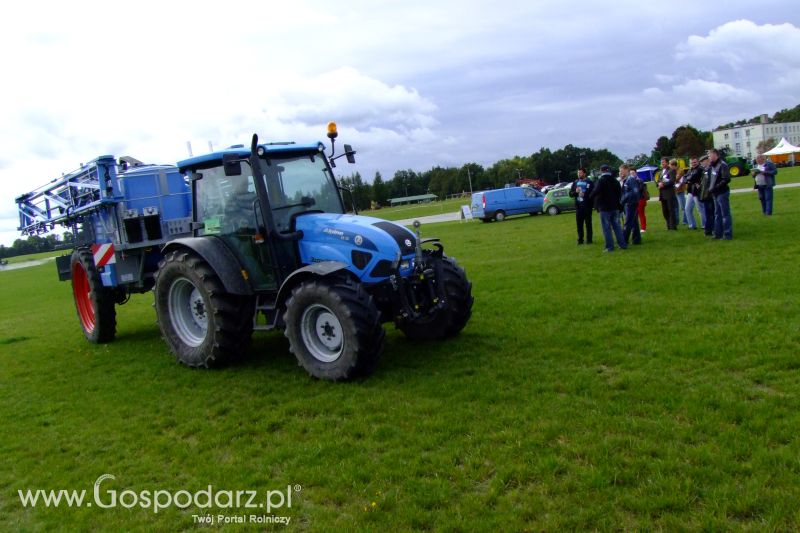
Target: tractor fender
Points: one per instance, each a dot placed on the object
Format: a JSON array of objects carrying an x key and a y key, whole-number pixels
[
  {"x": 220, "y": 258},
  {"x": 314, "y": 270}
]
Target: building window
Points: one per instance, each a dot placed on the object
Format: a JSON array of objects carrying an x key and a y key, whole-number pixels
[
  {"x": 747, "y": 144},
  {"x": 735, "y": 134},
  {"x": 726, "y": 136},
  {"x": 747, "y": 133},
  {"x": 738, "y": 148}
]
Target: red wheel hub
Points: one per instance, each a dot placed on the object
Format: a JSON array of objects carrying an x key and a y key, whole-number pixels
[{"x": 83, "y": 297}]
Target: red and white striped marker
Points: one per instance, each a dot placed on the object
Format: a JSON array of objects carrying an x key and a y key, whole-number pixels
[{"x": 103, "y": 254}]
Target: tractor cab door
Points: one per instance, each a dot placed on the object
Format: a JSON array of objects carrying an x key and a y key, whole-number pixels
[{"x": 227, "y": 207}]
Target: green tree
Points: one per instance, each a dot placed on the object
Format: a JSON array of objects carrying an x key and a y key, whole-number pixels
[
  {"x": 473, "y": 174},
  {"x": 443, "y": 181},
  {"x": 787, "y": 115},
  {"x": 663, "y": 147},
  {"x": 407, "y": 183},
  {"x": 380, "y": 193},
  {"x": 687, "y": 141},
  {"x": 361, "y": 192},
  {"x": 766, "y": 145}
]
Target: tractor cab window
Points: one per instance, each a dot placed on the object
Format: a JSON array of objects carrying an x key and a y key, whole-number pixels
[
  {"x": 299, "y": 184},
  {"x": 227, "y": 207},
  {"x": 226, "y": 204}
]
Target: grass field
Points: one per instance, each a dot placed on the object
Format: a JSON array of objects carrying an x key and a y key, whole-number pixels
[{"x": 655, "y": 388}]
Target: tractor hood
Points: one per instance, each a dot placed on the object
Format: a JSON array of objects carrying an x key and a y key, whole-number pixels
[{"x": 368, "y": 245}]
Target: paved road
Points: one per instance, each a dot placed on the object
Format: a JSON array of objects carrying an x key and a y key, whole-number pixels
[{"x": 449, "y": 217}]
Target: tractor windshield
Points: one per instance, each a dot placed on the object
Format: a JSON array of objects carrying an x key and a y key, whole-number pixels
[{"x": 299, "y": 184}]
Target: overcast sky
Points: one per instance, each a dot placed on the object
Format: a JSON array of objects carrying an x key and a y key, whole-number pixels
[{"x": 411, "y": 84}]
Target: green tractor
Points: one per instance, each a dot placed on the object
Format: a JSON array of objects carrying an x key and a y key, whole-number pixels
[{"x": 737, "y": 165}]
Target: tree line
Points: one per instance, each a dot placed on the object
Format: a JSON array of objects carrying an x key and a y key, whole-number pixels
[
  {"x": 545, "y": 165},
  {"x": 549, "y": 166},
  {"x": 35, "y": 244}
]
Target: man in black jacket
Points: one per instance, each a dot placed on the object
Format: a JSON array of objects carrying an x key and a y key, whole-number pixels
[
  {"x": 718, "y": 180},
  {"x": 666, "y": 192},
  {"x": 581, "y": 189},
  {"x": 693, "y": 179},
  {"x": 706, "y": 198},
  {"x": 606, "y": 196}
]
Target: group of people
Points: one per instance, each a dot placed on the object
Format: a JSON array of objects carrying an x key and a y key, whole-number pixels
[
  {"x": 704, "y": 186},
  {"x": 626, "y": 197}
]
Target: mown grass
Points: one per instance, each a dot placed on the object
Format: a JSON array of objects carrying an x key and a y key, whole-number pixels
[
  {"x": 403, "y": 212},
  {"x": 656, "y": 388},
  {"x": 34, "y": 257}
]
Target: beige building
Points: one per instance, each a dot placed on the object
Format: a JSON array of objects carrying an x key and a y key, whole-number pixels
[{"x": 742, "y": 140}]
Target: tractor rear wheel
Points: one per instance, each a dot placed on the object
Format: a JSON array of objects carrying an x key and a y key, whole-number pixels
[
  {"x": 203, "y": 325},
  {"x": 93, "y": 301},
  {"x": 450, "y": 319},
  {"x": 334, "y": 328}
]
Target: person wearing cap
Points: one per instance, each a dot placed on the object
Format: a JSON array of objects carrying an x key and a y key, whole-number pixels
[
  {"x": 706, "y": 198},
  {"x": 718, "y": 180},
  {"x": 606, "y": 195},
  {"x": 666, "y": 193},
  {"x": 581, "y": 189}
]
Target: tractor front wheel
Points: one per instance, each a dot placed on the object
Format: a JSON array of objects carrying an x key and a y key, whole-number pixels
[
  {"x": 203, "y": 325},
  {"x": 93, "y": 301},
  {"x": 735, "y": 170},
  {"x": 449, "y": 319},
  {"x": 334, "y": 328}
]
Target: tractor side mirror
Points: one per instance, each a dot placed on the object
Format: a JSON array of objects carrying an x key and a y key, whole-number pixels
[
  {"x": 232, "y": 165},
  {"x": 349, "y": 154}
]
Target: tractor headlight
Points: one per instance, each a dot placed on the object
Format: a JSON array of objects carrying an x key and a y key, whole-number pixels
[
  {"x": 405, "y": 265},
  {"x": 260, "y": 151}
]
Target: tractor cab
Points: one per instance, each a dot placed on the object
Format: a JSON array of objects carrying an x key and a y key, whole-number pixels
[{"x": 251, "y": 199}]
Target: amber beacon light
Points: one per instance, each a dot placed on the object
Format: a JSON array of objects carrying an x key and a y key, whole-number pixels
[{"x": 332, "y": 133}]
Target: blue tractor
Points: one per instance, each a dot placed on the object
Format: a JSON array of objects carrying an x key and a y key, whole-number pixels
[{"x": 248, "y": 239}]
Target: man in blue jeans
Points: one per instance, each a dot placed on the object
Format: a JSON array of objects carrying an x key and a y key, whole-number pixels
[
  {"x": 631, "y": 194},
  {"x": 606, "y": 196},
  {"x": 764, "y": 175},
  {"x": 718, "y": 180},
  {"x": 581, "y": 190}
]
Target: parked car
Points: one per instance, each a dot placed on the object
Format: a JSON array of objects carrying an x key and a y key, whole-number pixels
[
  {"x": 557, "y": 201},
  {"x": 558, "y": 185},
  {"x": 497, "y": 204}
]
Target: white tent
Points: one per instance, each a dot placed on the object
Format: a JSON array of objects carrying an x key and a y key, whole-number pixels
[{"x": 783, "y": 148}]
